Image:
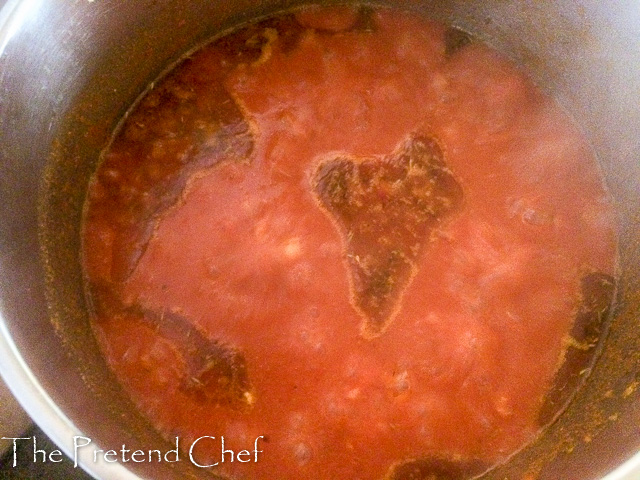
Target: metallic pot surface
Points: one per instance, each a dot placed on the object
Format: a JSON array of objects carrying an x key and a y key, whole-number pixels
[{"x": 69, "y": 70}]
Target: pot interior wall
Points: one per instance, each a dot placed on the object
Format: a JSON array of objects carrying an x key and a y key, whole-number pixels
[{"x": 72, "y": 69}]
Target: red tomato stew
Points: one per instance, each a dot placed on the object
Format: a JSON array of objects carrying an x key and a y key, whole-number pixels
[{"x": 357, "y": 233}]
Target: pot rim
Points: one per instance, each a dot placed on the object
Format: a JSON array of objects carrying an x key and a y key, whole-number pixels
[{"x": 38, "y": 404}]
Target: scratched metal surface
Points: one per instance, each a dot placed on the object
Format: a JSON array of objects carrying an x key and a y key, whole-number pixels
[{"x": 15, "y": 420}]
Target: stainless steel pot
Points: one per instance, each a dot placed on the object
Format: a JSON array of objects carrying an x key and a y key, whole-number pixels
[{"x": 69, "y": 69}]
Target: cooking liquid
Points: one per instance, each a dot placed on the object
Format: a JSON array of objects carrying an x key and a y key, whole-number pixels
[{"x": 352, "y": 232}]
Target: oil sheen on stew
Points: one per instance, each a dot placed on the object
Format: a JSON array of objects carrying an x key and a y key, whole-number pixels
[{"x": 357, "y": 233}]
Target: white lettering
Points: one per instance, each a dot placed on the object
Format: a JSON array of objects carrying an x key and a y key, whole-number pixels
[
  {"x": 110, "y": 453},
  {"x": 255, "y": 447},
  {"x": 223, "y": 451},
  {"x": 76, "y": 446},
  {"x": 36, "y": 451},
  {"x": 193, "y": 460},
  {"x": 171, "y": 451},
  {"x": 95, "y": 455},
  {"x": 58, "y": 454},
  {"x": 124, "y": 452},
  {"x": 138, "y": 453},
  {"x": 156, "y": 452},
  {"x": 15, "y": 454},
  {"x": 243, "y": 452}
]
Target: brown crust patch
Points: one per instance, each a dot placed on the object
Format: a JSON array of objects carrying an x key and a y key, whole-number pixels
[
  {"x": 455, "y": 39},
  {"x": 385, "y": 209},
  {"x": 214, "y": 373},
  {"x": 435, "y": 469},
  {"x": 163, "y": 143},
  {"x": 589, "y": 329}
]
